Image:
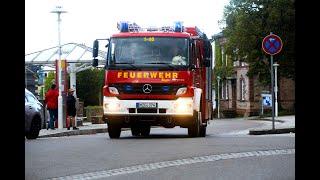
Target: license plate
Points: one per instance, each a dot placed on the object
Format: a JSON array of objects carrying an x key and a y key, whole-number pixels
[{"x": 147, "y": 105}]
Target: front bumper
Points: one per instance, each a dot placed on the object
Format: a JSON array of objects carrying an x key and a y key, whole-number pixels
[{"x": 183, "y": 106}]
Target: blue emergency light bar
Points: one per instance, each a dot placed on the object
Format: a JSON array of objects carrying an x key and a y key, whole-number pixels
[
  {"x": 178, "y": 26},
  {"x": 125, "y": 26}
]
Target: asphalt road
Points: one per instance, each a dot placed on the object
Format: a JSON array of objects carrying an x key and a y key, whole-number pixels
[{"x": 166, "y": 154}]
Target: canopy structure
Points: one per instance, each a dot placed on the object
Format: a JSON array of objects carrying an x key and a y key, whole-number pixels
[
  {"x": 72, "y": 52},
  {"x": 78, "y": 56}
]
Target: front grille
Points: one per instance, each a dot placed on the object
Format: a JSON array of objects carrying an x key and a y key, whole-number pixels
[
  {"x": 160, "y": 89},
  {"x": 132, "y": 110},
  {"x": 144, "y": 110}
]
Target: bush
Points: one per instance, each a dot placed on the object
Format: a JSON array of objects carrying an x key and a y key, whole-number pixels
[
  {"x": 89, "y": 86},
  {"x": 94, "y": 114}
]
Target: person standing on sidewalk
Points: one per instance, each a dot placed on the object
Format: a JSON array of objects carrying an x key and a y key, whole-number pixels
[
  {"x": 51, "y": 100},
  {"x": 71, "y": 109}
]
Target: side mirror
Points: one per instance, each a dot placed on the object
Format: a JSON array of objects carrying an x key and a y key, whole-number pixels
[
  {"x": 193, "y": 67},
  {"x": 95, "y": 62},
  {"x": 95, "y": 49}
]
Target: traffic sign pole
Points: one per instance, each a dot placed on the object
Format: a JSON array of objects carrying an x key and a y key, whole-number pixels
[
  {"x": 272, "y": 44},
  {"x": 272, "y": 92}
]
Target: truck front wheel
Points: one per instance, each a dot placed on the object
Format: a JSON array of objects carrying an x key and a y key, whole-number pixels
[
  {"x": 145, "y": 130},
  {"x": 135, "y": 131},
  {"x": 194, "y": 129},
  {"x": 203, "y": 131},
  {"x": 114, "y": 131}
]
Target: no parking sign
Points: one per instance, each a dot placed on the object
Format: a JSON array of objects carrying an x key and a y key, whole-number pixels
[{"x": 272, "y": 44}]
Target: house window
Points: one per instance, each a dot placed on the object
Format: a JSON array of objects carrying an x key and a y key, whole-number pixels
[
  {"x": 227, "y": 90},
  {"x": 242, "y": 88},
  {"x": 222, "y": 90},
  {"x": 226, "y": 60}
]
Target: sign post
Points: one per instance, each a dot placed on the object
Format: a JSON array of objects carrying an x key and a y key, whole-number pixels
[{"x": 272, "y": 44}]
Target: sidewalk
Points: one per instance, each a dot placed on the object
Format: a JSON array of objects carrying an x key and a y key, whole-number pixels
[
  {"x": 86, "y": 128},
  {"x": 283, "y": 124}
]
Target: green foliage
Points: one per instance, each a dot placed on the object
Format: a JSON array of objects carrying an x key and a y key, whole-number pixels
[
  {"x": 248, "y": 22},
  {"x": 41, "y": 94},
  {"x": 89, "y": 86},
  {"x": 221, "y": 69},
  {"x": 48, "y": 81}
]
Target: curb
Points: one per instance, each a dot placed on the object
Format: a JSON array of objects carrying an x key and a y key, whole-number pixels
[
  {"x": 271, "y": 131},
  {"x": 79, "y": 132},
  {"x": 76, "y": 132},
  {"x": 265, "y": 119}
]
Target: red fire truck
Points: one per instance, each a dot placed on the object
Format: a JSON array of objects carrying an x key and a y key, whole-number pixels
[{"x": 157, "y": 77}]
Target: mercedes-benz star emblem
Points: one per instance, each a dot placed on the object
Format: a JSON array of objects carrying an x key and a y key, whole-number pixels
[{"x": 147, "y": 88}]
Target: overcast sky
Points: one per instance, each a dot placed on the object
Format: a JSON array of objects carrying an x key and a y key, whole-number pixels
[{"x": 87, "y": 20}]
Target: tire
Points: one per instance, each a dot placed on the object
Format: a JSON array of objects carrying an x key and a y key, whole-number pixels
[
  {"x": 34, "y": 128},
  {"x": 194, "y": 129},
  {"x": 203, "y": 131},
  {"x": 135, "y": 131},
  {"x": 145, "y": 130},
  {"x": 114, "y": 131}
]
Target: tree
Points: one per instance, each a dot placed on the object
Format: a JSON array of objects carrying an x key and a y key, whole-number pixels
[
  {"x": 89, "y": 86},
  {"x": 48, "y": 81},
  {"x": 248, "y": 22}
]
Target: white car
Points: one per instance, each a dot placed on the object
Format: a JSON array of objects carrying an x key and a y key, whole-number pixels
[{"x": 34, "y": 116}]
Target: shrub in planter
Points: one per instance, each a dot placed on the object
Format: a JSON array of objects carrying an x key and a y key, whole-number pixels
[{"x": 94, "y": 114}]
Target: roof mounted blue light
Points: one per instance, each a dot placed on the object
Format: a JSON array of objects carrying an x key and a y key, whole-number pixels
[
  {"x": 123, "y": 26},
  {"x": 178, "y": 26}
]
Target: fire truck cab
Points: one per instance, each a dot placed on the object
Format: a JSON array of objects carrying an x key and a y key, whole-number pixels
[{"x": 157, "y": 77}]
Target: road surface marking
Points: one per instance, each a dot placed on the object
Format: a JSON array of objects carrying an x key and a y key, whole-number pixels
[{"x": 179, "y": 162}]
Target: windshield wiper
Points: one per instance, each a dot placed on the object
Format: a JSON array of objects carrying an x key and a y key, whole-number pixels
[
  {"x": 169, "y": 64},
  {"x": 131, "y": 64}
]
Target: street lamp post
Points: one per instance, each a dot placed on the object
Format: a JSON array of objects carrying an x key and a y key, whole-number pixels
[
  {"x": 276, "y": 89},
  {"x": 58, "y": 10},
  {"x": 218, "y": 77}
]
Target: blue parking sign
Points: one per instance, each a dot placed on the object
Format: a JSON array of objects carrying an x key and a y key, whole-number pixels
[{"x": 267, "y": 100}]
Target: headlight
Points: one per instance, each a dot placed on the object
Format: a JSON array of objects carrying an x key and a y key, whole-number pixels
[
  {"x": 113, "y": 90},
  {"x": 111, "y": 104},
  {"x": 181, "y": 91},
  {"x": 112, "y": 107},
  {"x": 183, "y": 105}
]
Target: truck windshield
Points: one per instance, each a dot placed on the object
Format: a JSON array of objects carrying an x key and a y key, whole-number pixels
[{"x": 155, "y": 51}]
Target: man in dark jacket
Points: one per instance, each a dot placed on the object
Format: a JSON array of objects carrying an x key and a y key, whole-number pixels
[
  {"x": 51, "y": 100},
  {"x": 71, "y": 109}
]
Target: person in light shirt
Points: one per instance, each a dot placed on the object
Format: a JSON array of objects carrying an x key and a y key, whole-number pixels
[{"x": 178, "y": 59}]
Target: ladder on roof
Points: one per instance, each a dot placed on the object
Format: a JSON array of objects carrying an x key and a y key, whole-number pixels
[{"x": 133, "y": 27}]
